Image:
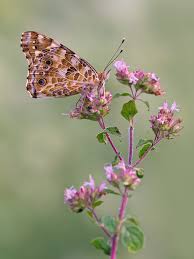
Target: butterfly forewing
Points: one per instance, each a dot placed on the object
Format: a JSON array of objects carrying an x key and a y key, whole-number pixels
[{"x": 54, "y": 70}]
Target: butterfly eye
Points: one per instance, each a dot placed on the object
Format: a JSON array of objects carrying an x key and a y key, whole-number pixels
[{"x": 42, "y": 81}]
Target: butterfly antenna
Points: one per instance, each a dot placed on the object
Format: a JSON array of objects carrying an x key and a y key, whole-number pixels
[{"x": 116, "y": 54}]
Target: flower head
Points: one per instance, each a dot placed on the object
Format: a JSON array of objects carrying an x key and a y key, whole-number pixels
[
  {"x": 164, "y": 124},
  {"x": 122, "y": 174},
  {"x": 122, "y": 71},
  {"x": 147, "y": 82},
  {"x": 85, "y": 196},
  {"x": 93, "y": 103}
]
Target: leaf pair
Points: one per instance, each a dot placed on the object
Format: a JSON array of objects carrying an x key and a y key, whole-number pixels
[
  {"x": 110, "y": 130},
  {"x": 144, "y": 145}
]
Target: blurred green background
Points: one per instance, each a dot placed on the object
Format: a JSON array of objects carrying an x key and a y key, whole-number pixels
[{"x": 42, "y": 152}]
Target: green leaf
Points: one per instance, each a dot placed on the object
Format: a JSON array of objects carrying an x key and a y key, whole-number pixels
[
  {"x": 129, "y": 110},
  {"x": 146, "y": 103},
  {"x": 101, "y": 137},
  {"x": 115, "y": 161},
  {"x": 96, "y": 204},
  {"x": 143, "y": 142},
  {"x": 110, "y": 223},
  {"x": 121, "y": 94},
  {"x": 89, "y": 213},
  {"x": 132, "y": 236},
  {"x": 140, "y": 172},
  {"x": 101, "y": 244},
  {"x": 144, "y": 149},
  {"x": 113, "y": 131},
  {"x": 112, "y": 192}
]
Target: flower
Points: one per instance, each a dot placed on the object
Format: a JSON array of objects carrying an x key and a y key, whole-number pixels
[
  {"x": 150, "y": 84},
  {"x": 122, "y": 71},
  {"x": 164, "y": 124},
  {"x": 93, "y": 103},
  {"x": 122, "y": 174},
  {"x": 147, "y": 82},
  {"x": 111, "y": 177},
  {"x": 130, "y": 178},
  {"x": 84, "y": 197}
]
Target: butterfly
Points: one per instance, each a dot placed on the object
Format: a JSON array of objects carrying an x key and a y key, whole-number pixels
[{"x": 54, "y": 70}]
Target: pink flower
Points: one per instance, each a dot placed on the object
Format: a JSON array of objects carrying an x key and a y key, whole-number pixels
[
  {"x": 148, "y": 83},
  {"x": 121, "y": 174},
  {"x": 139, "y": 74},
  {"x": 130, "y": 178},
  {"x": 69, "y": 193},
  {"x": 164, "y": 124},
  {"x": 121, "y": 69},
  {"x": 91, "y": 183},
  {"x": 121, "y": 165},
  {"x": 174, "y": 107},
  {"x": 85, "y": 196},
  {"x": 133, "y": 79},
  {"x": 111, "y": 177},
  {"x": 93, "y": 104}
]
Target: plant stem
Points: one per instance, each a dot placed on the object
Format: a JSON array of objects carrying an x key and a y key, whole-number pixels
[
  {"x": 99, "y": 223},
  {"x": 102, "y": 125},
  {"x": 131, "y": 129},
  {"x": 115, "y": 238},
  {"x": 156, "y": 142},
  {"x": 124, "y": 200}
]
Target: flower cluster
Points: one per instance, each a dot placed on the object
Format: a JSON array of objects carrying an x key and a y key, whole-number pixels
[
  {"x": 164, "y": 124},
  {"x": 146, "y": 82},
  {"x": 122, "y": 174},
  {"x": 93, "y": 103},
  {"x": 85, "y": 197}
]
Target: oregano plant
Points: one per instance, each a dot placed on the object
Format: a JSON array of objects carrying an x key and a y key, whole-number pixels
[{"x": 123, "y": 175}]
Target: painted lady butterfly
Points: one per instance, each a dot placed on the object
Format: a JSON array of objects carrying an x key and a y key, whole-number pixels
[{"x": 54, "y": 70}]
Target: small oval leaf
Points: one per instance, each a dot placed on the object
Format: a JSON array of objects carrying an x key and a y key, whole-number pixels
[
  {"x": 110, "y": 223},
  {"x": 132, "y": 237},
  {"x": 129, "y": 110},
  {"x": 144, "y": 149},
  {"x": 101, "y": 137},
  {"x": 101, "y": 244}
]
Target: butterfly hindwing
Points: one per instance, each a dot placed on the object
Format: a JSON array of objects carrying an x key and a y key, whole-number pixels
[{"x": 54, "y": 70}]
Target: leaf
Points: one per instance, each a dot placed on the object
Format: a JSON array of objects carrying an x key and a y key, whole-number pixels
[
  {"x": 129, "y": 110},
  {"x": 89, "y": 213},
  {"x": 132, "y": 236},
  {"x": 143, "y": 142},
  {"x": 113, "y": 131},
  {"x": 110, "y": 223},
  {"x": 115, "y": 161},
  {"x": 144, "y": 149},
  {"x": 146, "y": 103},
  {"x": 96, "y": 204},
  {"x": 112, "y": 192},
  {"x": 101, "y": 137},
  {"x": 101, "y": 244},
  {"x": 140, "y": 172},
  {"x": 121, "y": 94}
]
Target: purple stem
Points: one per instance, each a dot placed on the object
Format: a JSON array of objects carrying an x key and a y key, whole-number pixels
[
  {"x": 115, "y": 238},
  {"x": 131, "y": 129},
  {"x": 102, "y": 125},
  {"x": 124, "y": 200}
]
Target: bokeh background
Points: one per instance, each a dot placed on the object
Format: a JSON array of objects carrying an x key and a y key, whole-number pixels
[{"x": 42, "y": 152}]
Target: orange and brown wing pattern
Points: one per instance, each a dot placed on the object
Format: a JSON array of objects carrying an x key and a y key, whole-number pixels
[{"x": 53, "y": 69}]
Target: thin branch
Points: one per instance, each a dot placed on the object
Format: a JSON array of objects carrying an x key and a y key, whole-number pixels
[
  {"x": 156, "y": 142},
  {"x": 102, "y": 125},
  {"x": 99, "y": 223}
]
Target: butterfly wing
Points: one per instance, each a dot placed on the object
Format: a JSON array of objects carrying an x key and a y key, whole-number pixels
[{"x": 53, "y": 69}]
